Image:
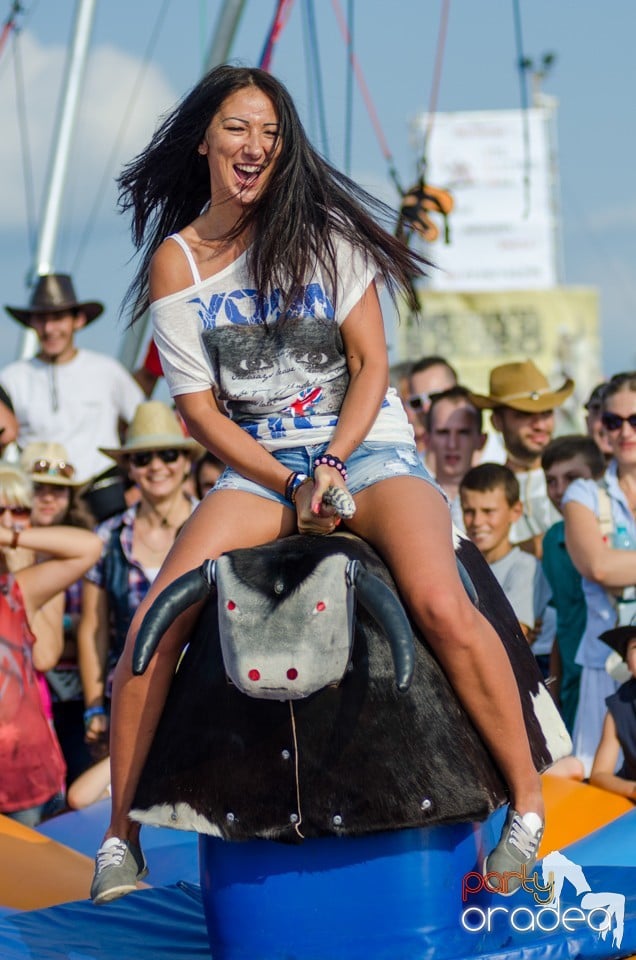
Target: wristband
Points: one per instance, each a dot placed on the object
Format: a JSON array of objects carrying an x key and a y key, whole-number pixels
[
  {"x": 293, "y": 482},
  {"x": 329, "y": 460},
  {"x": 302, "y": 481},
  {"x": 15, "y": 539},
  {"x": 93, "y": 712}
]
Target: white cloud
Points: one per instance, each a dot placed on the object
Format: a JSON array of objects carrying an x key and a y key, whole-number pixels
[{"x": 111, "y": 85}]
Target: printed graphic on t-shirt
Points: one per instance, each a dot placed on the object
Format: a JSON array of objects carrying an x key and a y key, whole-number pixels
[{"x": 273, "y": 376}]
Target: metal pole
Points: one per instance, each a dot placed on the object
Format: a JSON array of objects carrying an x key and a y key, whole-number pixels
[
  {"x": 64, "y": 128},
  {"x": 224, "y": 32}
]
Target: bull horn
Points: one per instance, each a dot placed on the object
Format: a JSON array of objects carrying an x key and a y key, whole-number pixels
[
  {"x": 387, "y": 610},
  {"x": 185, "y": 591}
]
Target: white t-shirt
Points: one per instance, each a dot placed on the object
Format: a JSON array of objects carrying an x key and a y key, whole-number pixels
[
  {"x": 523, "y": 581},
  {"x": 77, "y": 404},
  {"x": 539, "y": 513},
  {"x": 281, "y": 381}
]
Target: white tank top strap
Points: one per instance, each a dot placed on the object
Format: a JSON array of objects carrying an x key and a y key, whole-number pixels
[{"x": 189, "y": 256}]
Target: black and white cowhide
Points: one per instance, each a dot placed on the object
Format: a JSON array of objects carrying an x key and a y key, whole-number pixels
[{"x": 357, "y": 757}]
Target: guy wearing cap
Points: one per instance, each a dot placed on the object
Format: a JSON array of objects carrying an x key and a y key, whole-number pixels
[
  {"x": 77, "y": 397},
  {"x": 619, "y": 727},
  {"x": 522, "y": 404}
]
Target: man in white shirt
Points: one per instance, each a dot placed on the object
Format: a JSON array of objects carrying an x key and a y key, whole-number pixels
[{"x": 64, "y": 394}]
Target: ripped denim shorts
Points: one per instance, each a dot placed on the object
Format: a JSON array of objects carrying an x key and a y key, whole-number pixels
[{"x": 369, "y": 463}]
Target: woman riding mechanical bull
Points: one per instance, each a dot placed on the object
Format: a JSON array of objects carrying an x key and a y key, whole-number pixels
[{"x": 261, "y": 266}]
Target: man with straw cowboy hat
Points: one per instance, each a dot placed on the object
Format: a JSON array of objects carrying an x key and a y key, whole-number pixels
[
  {"x": 523, "y": 403},
  {"x": 72, "y": 396}
]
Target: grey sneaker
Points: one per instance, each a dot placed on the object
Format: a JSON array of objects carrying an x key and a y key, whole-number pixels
[
  {"x": 515, "y": 855},
  {"x": 119, "y": 864}
]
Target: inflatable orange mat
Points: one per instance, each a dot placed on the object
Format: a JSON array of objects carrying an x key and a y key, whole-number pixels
[
  {"x": 37, "y": 871},
  {"x": 575, "y": 809}
]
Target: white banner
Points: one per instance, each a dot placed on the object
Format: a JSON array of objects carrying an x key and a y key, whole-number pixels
[{"x": 503, "y": 227}]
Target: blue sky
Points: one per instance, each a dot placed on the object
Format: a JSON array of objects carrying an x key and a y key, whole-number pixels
[{"x": 593, "y": 79}]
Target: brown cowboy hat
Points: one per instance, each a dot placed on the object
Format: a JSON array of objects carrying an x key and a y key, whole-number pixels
[
  {"x": 54, "y": 293},
  {"x": 521, "y": 386},
  {"x": 154, "y": 427},
  {"x": 618, "y": 638}
]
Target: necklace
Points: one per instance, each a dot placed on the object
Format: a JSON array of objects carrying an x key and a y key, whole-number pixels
[{"x": 164, "y": 518}]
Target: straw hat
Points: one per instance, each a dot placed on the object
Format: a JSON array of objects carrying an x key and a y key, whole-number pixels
[
  {"x": 154, "y": 427},
  {"x": 48, "y": 463},
  {"x": 54, "y": 293},
  {"x": 618, "y": 638},
  {"x": 521, "y": 386}
]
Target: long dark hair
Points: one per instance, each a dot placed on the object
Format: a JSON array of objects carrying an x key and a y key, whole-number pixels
[
  {"x": 306, "y": 203},
  {"x": 620, "y": 381}
]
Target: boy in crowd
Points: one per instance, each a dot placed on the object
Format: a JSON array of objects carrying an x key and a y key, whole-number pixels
[
  {"x": 565, "y": 459},
  {"x": 489, "y": 495},
  {"x": 453, "y": 435}
]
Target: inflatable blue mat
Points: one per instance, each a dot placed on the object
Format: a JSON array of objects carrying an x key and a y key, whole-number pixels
[
  {"x": 169, "y": 921},
  {"x": 171, "y": 854}
]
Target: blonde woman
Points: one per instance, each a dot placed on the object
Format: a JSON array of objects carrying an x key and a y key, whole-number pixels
[
  {"x": 57, "y": 499},
  {"x": 593, "y": 513}
]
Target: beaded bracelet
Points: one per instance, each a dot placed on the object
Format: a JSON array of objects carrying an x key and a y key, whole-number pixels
[
  {"x": 329, "y": 460},
  {"x": 15, "y": 539},
  {"x": 93, "y": 712}
]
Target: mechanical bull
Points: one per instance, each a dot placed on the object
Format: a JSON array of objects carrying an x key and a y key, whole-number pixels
[{"x": 307, "y": 706}]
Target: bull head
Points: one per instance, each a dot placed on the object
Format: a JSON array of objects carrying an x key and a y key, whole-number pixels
[{"x": 278, "y": 628}]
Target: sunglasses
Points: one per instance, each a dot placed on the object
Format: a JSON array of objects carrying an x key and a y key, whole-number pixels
[
  {"x": 54, "y": 468},
  {"x": 419, "y": 401},
  {"x": 613, "y": 421},
  {"x": 145, "y": 457},
  {"x": 17, "y": 512}
]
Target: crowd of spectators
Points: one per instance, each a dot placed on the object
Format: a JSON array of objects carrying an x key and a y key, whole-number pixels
[
  {"x": 554, "y": 516},
  {"x": 85, "y": 448}
]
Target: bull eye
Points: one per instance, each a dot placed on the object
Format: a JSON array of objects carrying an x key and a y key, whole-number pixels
[
  {"x": 231, "y": 605},
  {"x": 320, "y": 606},
  {"x": 292, "y": 673},
  {"x": 254, "y": 674}
]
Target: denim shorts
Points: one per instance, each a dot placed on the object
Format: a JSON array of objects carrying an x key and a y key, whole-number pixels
[{"x": 369, "y": 463}]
